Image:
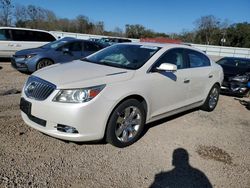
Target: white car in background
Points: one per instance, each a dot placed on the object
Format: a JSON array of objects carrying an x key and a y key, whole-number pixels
[
  {"x": 13, "y": 39},
  {"x": 113, "y": 93}
]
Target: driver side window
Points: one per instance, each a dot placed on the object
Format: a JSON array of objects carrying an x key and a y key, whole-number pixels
[{"x": 174, "y": 56}]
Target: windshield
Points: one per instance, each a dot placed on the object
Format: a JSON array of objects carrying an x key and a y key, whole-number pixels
[
  {"x": 240, "y": 63},
  {"x": 124, "y": 56},
  {"x": 55, "y": 44}
]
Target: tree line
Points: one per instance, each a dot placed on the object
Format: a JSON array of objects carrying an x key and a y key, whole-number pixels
[{"x": 207, "y": 29}]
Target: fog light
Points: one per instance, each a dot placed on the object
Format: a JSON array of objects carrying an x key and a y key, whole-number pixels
[{"x": 66, "y": 128}]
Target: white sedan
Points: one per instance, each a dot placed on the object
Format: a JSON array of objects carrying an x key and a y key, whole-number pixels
[{"x": 115, "y": 92}]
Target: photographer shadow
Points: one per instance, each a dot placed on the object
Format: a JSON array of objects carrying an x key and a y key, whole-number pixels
[{"x": 183, "y": 175}]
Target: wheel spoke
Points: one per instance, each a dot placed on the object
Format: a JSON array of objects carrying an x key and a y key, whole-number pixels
[
  {"x": 127, "y": 112},
  {"x": 132, "y": 131},
  {"x": 135, "y": 121},
  {"x": 125, "y": 136},
  {"x": 134, "y": 113},
  {"x": 120, "y": 120},
  {"x": 119, "y": 131}
]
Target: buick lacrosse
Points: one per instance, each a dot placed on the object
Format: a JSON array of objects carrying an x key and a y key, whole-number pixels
[{"x": 114, "y": 93}]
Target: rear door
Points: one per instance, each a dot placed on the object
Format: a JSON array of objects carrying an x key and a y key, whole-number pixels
[{"x": 202, "y": 75}]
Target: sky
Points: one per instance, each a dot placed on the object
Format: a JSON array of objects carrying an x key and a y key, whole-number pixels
[{"x": 165, "y": 16}]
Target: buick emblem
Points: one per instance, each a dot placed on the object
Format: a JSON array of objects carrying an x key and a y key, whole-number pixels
[{"x": 31, "y": 87}]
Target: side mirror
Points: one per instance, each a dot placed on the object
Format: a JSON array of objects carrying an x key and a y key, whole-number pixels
[{"x": 167, "y": 67}]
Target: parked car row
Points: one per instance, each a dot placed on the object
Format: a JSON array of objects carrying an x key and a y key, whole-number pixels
[{"x": 112, "y": 91}]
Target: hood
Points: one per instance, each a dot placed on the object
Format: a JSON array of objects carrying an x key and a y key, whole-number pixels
[
  {"x": 79, "y": 74},
  {"x": 30, "y": 51},
  {"x": 233, "y": 71}
]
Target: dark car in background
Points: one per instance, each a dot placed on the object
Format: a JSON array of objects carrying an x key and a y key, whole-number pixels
[
  {"x": 60, "y": 51},
  {"x": 110, "y": 41},
  {"x": 236, "y": 75}
]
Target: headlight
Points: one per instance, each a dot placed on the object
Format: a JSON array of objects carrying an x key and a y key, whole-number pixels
[
  {"x": 30, "y": 56},
  {"x": 78, "y": 95}
]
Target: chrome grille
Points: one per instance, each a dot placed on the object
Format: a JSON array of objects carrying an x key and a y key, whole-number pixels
[{"x": 37, "y": 88}]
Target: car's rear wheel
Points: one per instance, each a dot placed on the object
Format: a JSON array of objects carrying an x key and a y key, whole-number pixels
[
  {"x": 43, "y": 63},
  {"x": 126, "y": 123},
  {"x": 212, "y": 99}
]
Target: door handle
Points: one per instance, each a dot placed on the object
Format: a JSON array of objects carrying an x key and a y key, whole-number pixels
[
  {"x": 210, "y": 76},
  {"x": 186, "y": 81}
]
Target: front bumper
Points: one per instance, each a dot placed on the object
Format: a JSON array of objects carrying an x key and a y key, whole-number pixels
[
  {"x": 19, "y": 64},
  {"x": 232, "y": 88},
  {"x": 89, "y": 119}
]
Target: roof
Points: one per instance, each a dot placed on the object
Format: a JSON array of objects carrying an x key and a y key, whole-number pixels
[
  {"x": 239, "y": 58},
  {"x": 27, "y": 29},
  {"x": 162, "y": 45}
]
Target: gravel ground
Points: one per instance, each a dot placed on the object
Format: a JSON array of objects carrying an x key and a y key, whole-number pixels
[{"x": 217, "y": 144}]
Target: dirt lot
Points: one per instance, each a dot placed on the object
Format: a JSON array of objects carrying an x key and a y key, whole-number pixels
[{"x": 217, "y": 144}]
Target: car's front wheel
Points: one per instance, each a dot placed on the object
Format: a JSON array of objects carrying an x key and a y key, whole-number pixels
[
  {"x": 212, "y": 99},
  {"x": 43, "y": 63},
  {"x": 126, "y": 123}
]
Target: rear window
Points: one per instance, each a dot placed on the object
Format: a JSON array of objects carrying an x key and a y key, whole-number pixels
[{"x": 242, "y": 63}]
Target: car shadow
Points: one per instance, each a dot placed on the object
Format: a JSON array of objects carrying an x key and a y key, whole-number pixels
[
  {"x": 2, "y": 59},
  {"x": 164, "y": 120},
  {"x": 182, "y": 175},
  {"x": 244, "y": 103}
]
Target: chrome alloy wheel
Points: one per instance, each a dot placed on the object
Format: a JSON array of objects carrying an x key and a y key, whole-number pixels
[
  {"x": 213, "y": 98},
  {"x": 128, "y": 123}
]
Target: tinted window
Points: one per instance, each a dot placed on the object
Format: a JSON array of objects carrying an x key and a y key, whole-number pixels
[
  {"x": 197, "y": 59},
  {"x": 41, "y": 36},
  {"x": 26, "y": 35},
  {"x": 73, "y": 46},
  {"x": 4, "y": 34},
  {"x": 174, "y": 56},
  {"x": 242, "y": 63},
  {"x": 88, "y": 46}
]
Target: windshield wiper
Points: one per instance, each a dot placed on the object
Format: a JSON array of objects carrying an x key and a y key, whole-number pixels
[
  {"x": 86, "y": 59},
  {"x": 112, "y": 64}
]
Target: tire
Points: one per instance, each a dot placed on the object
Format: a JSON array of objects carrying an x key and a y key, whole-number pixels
[
  {"x": 212, "y": 99},
  {"x": 44, "y": 63},
  {"x": 126, "y": 123},
  {"x": 248, "y": 94}
]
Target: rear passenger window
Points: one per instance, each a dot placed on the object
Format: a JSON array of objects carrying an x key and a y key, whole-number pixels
[
  {"x": 43, "y": 37},
  {"x": 91, "y": 47},
  {"x": 26, "y": 35},
  {"x": 73, "y": 46},
  {"x": 197, "y": 59}
]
